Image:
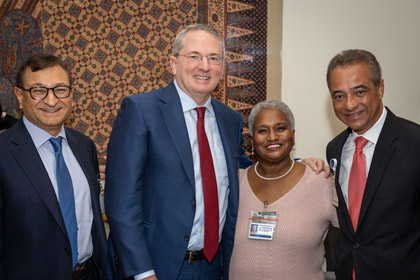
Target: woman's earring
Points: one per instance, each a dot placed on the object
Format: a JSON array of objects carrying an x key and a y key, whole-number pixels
[{"x": 252, "y": 151}]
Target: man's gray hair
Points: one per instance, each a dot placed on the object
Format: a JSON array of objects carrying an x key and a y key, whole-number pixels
[{"x": 179, "y": 39}]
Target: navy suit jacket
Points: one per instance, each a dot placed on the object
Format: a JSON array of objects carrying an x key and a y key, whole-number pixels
[
  {"x": 386, "y": 244},
  {"x": 33, "y": 239},
  {"x": 150, "y": 187}
]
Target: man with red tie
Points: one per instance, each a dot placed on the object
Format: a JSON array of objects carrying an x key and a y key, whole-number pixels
[
  {"x": 377, "y": 176},
  {"x": 171, "y": 190}
]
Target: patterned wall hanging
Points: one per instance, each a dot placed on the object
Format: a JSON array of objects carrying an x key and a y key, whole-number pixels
[{"x": 117, "y": 48}]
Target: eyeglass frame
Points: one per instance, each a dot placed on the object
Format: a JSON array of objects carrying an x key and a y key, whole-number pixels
[
  {"x": 48, "y": 90},
  {"x": 190, "y": 59}
]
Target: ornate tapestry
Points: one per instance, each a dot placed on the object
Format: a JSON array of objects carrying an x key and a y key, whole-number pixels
[{"x": 116, "y": 48}]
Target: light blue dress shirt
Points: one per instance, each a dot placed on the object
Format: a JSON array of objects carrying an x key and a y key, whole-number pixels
[{"x": 81, "y": 188}]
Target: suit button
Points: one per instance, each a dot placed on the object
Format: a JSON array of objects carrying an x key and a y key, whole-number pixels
[
  {"x": 186, "y": 238},
  {"x": 192, "y": 202},
  {"x": 67, "y": 250},
  {"x": 356, "y": 246}
]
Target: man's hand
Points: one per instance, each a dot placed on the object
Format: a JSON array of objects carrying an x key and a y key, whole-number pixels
[
  {"x": 317, "y": 165},
  {"x": 153, "y": 277}
]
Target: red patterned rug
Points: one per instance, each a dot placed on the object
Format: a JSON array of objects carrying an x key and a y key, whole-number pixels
[{"x": 118, "y": 48}]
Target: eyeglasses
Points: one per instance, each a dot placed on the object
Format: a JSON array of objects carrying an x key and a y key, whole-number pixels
[
  {"x": 39, "y": 93},
  {"x": 196, "y": 58}
]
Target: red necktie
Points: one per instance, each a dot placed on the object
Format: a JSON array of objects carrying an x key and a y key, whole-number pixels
[
  {"x": 357, "y": 183},
  {"x": 211, "y": 202}
]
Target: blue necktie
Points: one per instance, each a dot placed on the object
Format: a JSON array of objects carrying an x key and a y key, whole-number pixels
[{"x": 66, "y": 197}]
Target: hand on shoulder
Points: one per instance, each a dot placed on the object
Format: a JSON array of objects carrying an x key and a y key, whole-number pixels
[{"x": 318, "y": 166}]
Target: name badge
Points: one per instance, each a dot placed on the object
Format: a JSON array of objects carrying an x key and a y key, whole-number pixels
[{"x": 262, "y": 225}]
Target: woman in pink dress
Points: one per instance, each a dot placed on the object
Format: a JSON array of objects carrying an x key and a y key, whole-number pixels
[{"x": 292, "y": 206}]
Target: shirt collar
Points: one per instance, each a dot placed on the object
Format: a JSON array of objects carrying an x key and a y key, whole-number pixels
[
  {"x": 188, "y": 103},
  {"x": 38, "y": 135},
  {"x": 373, "y": 133}
]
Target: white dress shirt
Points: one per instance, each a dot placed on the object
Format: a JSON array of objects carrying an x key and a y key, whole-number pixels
[
  {"x": 348, "y": 150},
  {"x": 81, "y": 188}
]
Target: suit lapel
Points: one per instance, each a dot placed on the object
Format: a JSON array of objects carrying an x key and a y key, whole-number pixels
[
  {"x": 226, "y": 141},
  {"x": 84, "y": 157},
  {"x": 28, "y": 158},
  {"x": 171, "y": 110},
  {"x": 84, "y": 154},
  {"x": 383, "y": 153},
  {"x": 337, "y": 150},
  {"x": 226, "y": 130}
]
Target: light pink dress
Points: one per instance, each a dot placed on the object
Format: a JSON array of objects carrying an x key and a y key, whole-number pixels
[{"x": 296, "y": 251}]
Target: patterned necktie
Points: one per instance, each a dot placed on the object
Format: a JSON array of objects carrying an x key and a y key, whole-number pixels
[
  {"x": 66, "y": 197},
  {"x": 211, "y": 202}
]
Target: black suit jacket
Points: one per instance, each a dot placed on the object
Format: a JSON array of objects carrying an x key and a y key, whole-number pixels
[
  {"x": 33, "y": 240},
  {"x": 386, "y": 244}
]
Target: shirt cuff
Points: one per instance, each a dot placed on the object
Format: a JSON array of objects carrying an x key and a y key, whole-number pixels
[{"x": 144, "y": 275}]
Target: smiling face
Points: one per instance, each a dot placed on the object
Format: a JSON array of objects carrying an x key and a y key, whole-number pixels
[
  {"x": 356, "y": 101},
  {"x": 197, "y": 79},
  {"x": 273, "y": 138},
  {"x": 49, "y": 113}
]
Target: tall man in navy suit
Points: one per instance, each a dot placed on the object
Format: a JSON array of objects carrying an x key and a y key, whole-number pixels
[
  {"x": 37, "y": 241},
  {"x": 379, "y": 196},
  {"x": 154, "y": 194}
]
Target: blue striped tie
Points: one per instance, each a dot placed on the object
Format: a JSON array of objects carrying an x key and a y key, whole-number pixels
[{"x": 66, "y": 197}]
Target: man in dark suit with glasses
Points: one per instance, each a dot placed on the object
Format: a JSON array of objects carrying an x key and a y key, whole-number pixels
[{"x": 50, "y": 220}]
